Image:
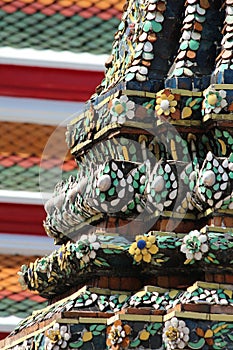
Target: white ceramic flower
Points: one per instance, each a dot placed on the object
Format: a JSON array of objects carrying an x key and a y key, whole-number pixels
[
  {"x": 194, "y": 245},
  {"x": 57, "y": 337},
  {"x": 175, "y": 334},
  {"x": 214, "y": 101},
  {"x": 121, "y": 109},
  {"x": 117, "y": 336},
  {"x": 87, "y": 247}
]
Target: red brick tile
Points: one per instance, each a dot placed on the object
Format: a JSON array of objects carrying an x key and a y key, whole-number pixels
[
  {"x": 158, "y": 312},
  {"x": 130, "y": 283},
  {"x": 228, "y": 278},
  {"x": 114, "y": 283},
  {"x": 217, "y": 309},
  {"x": 205, "y": 308},
  {"x": 163, "y": 281},
  {"x": 138, "y": 311},
  {"x": 103, "y": 282},
  {"x": 218, "y": 278},
  {"x": 209, "y": 277}
]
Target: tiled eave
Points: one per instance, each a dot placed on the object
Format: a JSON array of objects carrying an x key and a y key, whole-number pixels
[
  {"x": 52, "y": 59},
  {"x": 60, "y": 76}
]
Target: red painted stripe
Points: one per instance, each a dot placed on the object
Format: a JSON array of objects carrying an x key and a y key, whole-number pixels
[
  {"x": 48, "y": 83},
  {"x": 24, "y": 219},
  {"x": 3, "y": 335}
]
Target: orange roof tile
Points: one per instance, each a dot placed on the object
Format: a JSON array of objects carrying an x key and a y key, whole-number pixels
[
  {"x": 11, "y": 292},
  {"x": 60, "y": 25},
  {"x": 27, "y": 151}
]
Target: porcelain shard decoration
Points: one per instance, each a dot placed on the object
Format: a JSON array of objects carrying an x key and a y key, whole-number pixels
[
  {"x": 194, "y": 245},
  {"x": 145, "y": 222},
  {"x": 175, "y": 334}
]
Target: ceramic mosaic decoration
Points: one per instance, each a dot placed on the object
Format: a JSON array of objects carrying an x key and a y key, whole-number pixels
[{"x": 145, "y": 227}]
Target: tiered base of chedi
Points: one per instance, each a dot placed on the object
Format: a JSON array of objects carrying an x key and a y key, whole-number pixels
[{"x": 146, "y": 226}]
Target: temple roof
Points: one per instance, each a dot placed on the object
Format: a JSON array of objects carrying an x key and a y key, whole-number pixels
[
  {"x": 77, "y": 26},
  {"x": 15, "y": 303},
  {"x": 23, "y": 158}
]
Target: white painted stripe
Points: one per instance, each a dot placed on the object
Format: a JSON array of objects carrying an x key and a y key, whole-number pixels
[
  {"x": 31, "y": 110},
  {"x": 24, "y": 197},
  {"x": 8, "y": 324},
  {"x": 53, "y": 59},
  {"x": 26, "y": 244}
]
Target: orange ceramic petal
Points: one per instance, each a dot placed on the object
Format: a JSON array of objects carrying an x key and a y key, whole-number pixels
[
  {"x": 127, "y": 329},
  {"x": 117, "y": 323},
  {"x": 108, "y": 342},
  {"x": 109, "y": 329},
  {"x": 125, "y": 342}
]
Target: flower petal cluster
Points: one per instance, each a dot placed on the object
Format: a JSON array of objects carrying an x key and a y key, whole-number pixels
[
  {"x": 165, "y": 103},
  {"x": 214, "y": 101},
  {"x": 175, "y": 334},
  {"x": 143, "y": 248},
  {"x": 57, "y": 337},
  {"x": 121, "y": 109},
  {"x": 194, "y": 245},
  {"x": 87, "y": 247},
  {"x": 118, "y": 336}
]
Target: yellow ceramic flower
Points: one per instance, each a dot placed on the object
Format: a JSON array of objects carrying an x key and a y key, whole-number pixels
[
  {"x": 143, "y": 248},
  {"x": 165, "y": 103}
]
